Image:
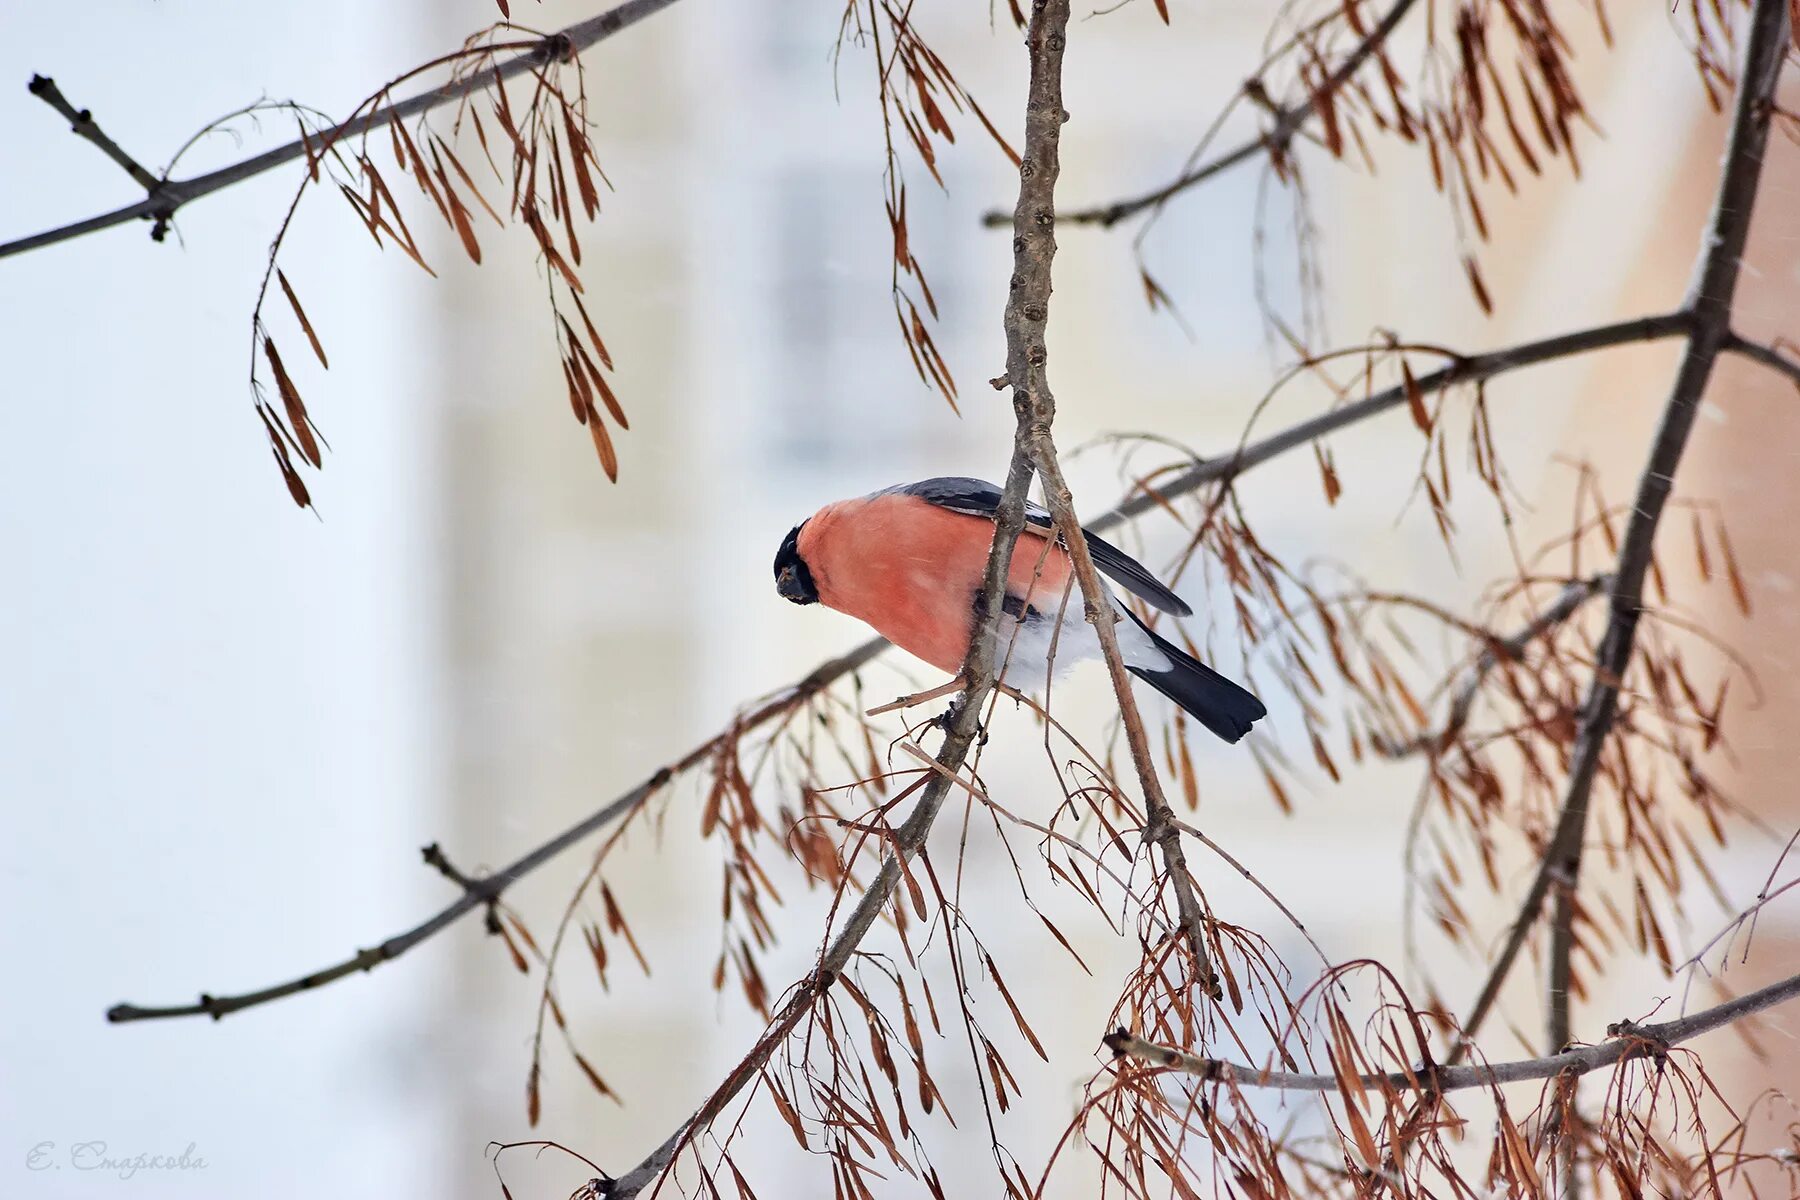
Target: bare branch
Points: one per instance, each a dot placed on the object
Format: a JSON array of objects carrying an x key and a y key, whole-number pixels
[
  {"x": 1508, "y": 649},
  {"x": 1160, "y": 825},
  {"x": 1627, "y": 1040},
  {"x": 1034, "y": 249},
  {"x": 1708, "y": 312},
  {"x": 82, "y": 123},
  {"x": 1768, "y": 356},
  {"x": 169, "y": 195},
  {"x": 489, "y": 887},
  {"x": 1036, "y": 406},
  {"x": 1471, "y": 369},
  {"x": 1288, "y": 123}
]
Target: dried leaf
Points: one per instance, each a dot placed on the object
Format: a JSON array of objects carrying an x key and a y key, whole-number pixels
[
  {"x": 1018, "y": 1017},
  {"x": 464, "y": 175},
  {"x": 1327, "y": 472},
  {"x": 300, "y": 314},
  {"x": 524, "y": 933},
  {"x": 597, "y": 948},
  {"x": 1738, "y": 591},
  {"x": 290, "y": 400},
  {"x": 1415, "y": 399},
  {"x": 579, "y": 149},
  {"x": 459, "y": 217},
  {"x": 1277, "y": 791},
  {"x": 593, "y": 335},
  {"x": 787, "y": 1112},
  {"x": 609, "y": 458},
  {"x": 295, "y": 485},
  {"x": 512, "y": 948},
  {"x": 593, "y": 1077},
  {"x": 615, "y": 921},
  {"x": 1477, "y": 285},
  {"x": 579, "y": 397}
]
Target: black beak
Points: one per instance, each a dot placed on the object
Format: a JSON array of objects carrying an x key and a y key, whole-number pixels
[{"x": 792, "y": 587}]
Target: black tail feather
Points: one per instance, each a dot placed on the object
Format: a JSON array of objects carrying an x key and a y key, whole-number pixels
[{"x": 1213, "y": 700}]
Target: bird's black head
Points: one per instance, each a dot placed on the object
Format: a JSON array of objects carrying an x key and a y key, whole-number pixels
[{"x": 792, "y": 578}]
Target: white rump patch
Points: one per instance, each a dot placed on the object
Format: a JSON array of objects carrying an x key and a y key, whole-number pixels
[{"x": 1025, "y": 647}]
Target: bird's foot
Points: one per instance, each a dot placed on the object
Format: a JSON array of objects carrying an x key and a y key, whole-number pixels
[{"x": 948, "y": 718}]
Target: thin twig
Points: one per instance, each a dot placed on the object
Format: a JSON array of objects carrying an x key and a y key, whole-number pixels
[
  {"x": 82, "y": 123},
  {"x": 1471, "y": 369},
  {"x": 1768, "y": 893},
  {"x": 1288, "y": 123},
  {"x": 1160, "y": 825},
  {"x": 1034, "y": 250},
  {"x": 1250, "y": 878},
  {"x": 437, "y": 860},
  {"x": 1627, "y": 1040},
  {"x": 916, "y": 751},
  {"x": 1036, "y": 406},
  {"x": 1508, "y": 649},
  {"x": 172, "y": 194},
  {"x": 1768, "y": 356},
  {"x": 489, "y": 887},
  {"x": 1708, "y": 313}
]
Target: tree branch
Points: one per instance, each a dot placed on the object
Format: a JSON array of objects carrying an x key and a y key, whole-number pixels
[
  {"x": 1288, "y": 123},
  {"x": 82, "y": 123},
  {"x": 1160, "y": 825},
  {"x": 1471, "y": 369},
  {"x": 479, "y": 892},
  {"x": 1627, "y": 1040},
  {"x": 1508, "y": 649},
  {"x": 1027, "y": 306},
  {"x": 166, "y": 196},
  {"x": 1768, "y": 356},
  {"x": 1037, "y": 407},
  {"x": 1708, "y": 313}
]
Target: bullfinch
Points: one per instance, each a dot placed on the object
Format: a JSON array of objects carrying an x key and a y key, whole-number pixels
[{"x": 908, "y": 560}]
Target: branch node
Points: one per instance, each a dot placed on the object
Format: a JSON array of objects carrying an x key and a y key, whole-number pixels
[
  {"x": 482, "y": 889},
  {"x": 82, "y": 124},
  {"x": 1650, "y": 1041},
  {"x": 556, "y": 47}
]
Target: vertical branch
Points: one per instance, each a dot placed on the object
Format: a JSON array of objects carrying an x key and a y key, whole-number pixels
[
  {"x": 1034, "y": 248},
  {"x": 1097, "y": 603},
  {"x": 1027, "y": 313},
  {"x": 1710, "y": 300},
  {"x": 1708, "y": 311}
]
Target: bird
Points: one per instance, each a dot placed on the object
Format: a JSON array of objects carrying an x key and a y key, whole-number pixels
[{"x": 908, "y": 561}]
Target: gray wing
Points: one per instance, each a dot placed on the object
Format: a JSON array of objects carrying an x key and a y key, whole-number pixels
[{"x": 979, "y": 498}]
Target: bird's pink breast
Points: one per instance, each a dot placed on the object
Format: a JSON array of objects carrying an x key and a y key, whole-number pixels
[{"x": 911, "y": 571}]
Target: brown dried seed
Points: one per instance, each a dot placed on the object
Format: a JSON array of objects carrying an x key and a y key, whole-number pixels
[{"x": 300, "y": 314}]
